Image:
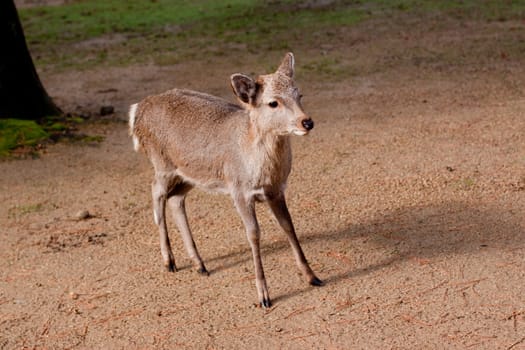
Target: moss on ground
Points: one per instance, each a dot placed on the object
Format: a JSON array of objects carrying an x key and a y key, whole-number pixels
[{"x": 16, "y": 133}]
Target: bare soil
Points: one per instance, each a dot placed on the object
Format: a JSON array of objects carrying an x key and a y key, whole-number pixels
[{"x": 408, "y": 198}]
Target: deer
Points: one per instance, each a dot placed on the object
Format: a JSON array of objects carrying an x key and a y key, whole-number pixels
[{"x": 242, "y": 149}]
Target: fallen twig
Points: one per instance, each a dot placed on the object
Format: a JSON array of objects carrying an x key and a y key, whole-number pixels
[
  {"x": 304, "y": 336},
  {"x": 340, "y": 257},
  {"x": 253, "y": 325},
  {"x": 516, "y": 343},
  {"x": 119, "y": 316},
  {"x": 468, "y": 283},
  {"x": 409, "y": 318},
  {"x": 98, "y": 296},
  {"x": 474, "y": 344},
  {"x": 445, "y": 295},
  {"x": 349, "y": 303},
  {"x": 106, "y": 277},
  {"x": 45, "y": 328},
  {"x": 297, "y": 312},
  {"x": 514, "y": 314},
  {"x": 514, "y": 318},
  {"x": 433, "y": 288},
  {"x": 347, "y": 321}
]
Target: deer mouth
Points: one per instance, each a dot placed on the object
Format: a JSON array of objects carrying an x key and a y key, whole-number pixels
[{"x": 300, "y": 132}]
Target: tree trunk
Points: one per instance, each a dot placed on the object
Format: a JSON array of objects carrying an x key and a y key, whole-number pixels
[{"x": 22, "y": 95}]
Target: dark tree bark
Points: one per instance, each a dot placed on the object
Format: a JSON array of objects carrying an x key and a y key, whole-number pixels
[{"x": 22, "y": 95}]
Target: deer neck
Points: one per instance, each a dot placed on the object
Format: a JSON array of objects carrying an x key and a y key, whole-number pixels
[{"x": 268, "y": 157}]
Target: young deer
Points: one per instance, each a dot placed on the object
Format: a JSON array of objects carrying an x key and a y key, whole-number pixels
[{"x": 197, "y": 140}]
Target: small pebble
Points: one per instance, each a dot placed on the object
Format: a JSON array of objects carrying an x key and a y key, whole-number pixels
[{"x": 82, "y": 215}]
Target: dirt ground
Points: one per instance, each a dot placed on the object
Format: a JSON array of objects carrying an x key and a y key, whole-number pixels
[{"x": 408, "y": 198}]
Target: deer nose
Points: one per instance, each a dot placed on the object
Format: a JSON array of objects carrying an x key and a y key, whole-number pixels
[{"x": 308, "y": 124}]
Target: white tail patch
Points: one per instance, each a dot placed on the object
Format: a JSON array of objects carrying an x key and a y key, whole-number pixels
[{"x": 132, "y": 115}]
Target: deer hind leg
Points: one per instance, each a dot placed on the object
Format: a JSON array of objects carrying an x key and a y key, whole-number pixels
[
  {"x": 246, "y": 209},
  {"x": 159, "y": 191},
  {"x": 176, "y": 200},
  {"x": 281, "y": 213}
]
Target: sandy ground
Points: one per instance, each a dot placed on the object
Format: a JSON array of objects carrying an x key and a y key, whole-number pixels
[{"x": 408, "y": 198}]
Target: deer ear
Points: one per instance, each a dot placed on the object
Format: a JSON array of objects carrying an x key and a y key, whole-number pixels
[
  {"x": 244, "y": 87},
  {"x": 287, "y": 65}
]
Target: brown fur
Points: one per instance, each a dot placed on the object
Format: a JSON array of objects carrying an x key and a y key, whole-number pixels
[{"x": 195, "y": 139}]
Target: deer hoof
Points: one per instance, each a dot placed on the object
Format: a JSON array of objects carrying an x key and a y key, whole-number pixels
[
  {"x": 266, "y": 303},
  {"x": 170, "y": 267},
  {"x": 316, "y": 282},
  {"x": 202, "y": 270}
]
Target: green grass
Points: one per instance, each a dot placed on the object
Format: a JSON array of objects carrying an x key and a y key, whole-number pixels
[
  {"x": 481, "y": 9},
  {"x": 86, "y": 19},
  {"x": 183, "y": 27},
  {"x": 327, "y": 67},
  {"x": 21, "y": 210},
  {"x": 167, "y": 31},
  {"x": 17, "y": 133},
  {"x": 20, "y": 138}
]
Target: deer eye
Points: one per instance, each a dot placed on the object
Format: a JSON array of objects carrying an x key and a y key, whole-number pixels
[{"x": 273, "y": 104}]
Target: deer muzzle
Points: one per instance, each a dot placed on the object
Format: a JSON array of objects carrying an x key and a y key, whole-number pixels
[{"x": 308, "y": 124}]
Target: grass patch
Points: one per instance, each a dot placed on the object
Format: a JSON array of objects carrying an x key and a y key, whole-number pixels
[
  {"x": 328, "y": 67},
  {"x": 91, "y": 138},
  {"x": 129, "y": 30},
  {"x": 64, "y": 128},
  {"x": 20, "y": 138},
  {"x": 480, "y": 9},
  {"x": 21, "y": 210},
  {"x": 16, "y": 133},
  {"x": 82, "y": 33},
  {"x": 82, "y": 20},
  {"x": 245, "y": 19}
]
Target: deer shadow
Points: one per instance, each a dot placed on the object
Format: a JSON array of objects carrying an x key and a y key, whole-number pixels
[{"x": 412, "y": 232}]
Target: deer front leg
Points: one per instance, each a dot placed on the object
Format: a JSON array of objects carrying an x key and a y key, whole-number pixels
[
  {"x": 281, "y": 213},
  {"x": 178, "y": 210},
  {"x": 159, "y": 194},
  {"x": 246, "y": 209}
]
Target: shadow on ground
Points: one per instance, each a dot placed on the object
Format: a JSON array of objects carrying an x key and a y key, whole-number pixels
[{"x": 420, "y": 232}]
